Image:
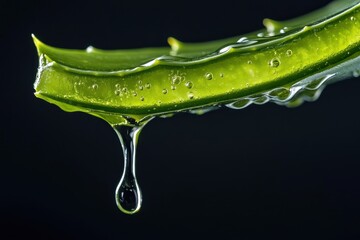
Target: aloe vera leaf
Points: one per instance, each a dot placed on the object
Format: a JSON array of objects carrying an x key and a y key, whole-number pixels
[{"x": 276, "y": 63}]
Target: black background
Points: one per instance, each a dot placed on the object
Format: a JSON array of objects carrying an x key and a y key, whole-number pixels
[{"x": 265, "y": 172}]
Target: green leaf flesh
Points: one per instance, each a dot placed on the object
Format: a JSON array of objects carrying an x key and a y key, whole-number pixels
[{"x": 286, "y": 63}]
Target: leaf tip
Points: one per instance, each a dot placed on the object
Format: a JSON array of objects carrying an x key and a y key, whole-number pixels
[
  {"x": 272, "y": 25},
  {"x": 174, "y": 44},
  {"x": 37, "y": 43}
]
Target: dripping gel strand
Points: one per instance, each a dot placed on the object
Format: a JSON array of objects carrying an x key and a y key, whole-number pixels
[{"x": 128, "y": 194}]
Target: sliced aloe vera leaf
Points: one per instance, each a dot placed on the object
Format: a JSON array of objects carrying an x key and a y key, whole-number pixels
[{"x": 122, "y": 84}]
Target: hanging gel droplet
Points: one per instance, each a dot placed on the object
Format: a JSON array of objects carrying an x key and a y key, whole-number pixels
[{"x": 128, "y": 195}]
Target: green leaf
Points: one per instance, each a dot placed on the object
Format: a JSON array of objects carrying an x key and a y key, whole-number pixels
[{"x": 286, "y": 63}]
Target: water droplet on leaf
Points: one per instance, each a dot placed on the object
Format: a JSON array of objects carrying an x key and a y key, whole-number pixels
[
  {"x": 190, "y": 95},
  {"x": 274, "y": 63},
  {"x": 189, "y": 84},
  {"x": 208, "y": 76},
  {"x": 176, "y": 79}
]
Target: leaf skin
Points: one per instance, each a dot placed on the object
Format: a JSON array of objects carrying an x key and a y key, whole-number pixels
[{"x": 154, "y": 81}]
